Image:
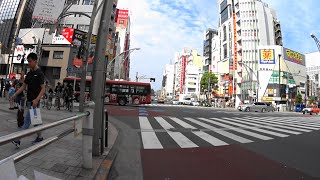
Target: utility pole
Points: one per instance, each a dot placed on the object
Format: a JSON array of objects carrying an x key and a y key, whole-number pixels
[
  {"x": 86, "y": 55},
  {"x": 99, "y": 78}
]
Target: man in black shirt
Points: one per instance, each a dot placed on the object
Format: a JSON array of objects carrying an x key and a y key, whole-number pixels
[
  {"x": 34, "y": 82},
  {"x": 2, "y": 87}
]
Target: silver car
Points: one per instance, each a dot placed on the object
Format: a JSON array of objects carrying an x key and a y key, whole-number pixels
[{"x": 257, "y": 106}]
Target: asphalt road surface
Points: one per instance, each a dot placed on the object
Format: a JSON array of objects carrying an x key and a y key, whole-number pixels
[{"x": 162, "y": 141}]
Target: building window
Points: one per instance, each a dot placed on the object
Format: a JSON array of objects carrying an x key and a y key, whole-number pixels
[
  {"x": 224, "y": 33},
  {"x": 83, "y": 27},
  {"x": 225, "y": 51},
  {"x": 45, "y": 54},
  {"x": 88, "y": 2},
  {"x": 57, "y": 54},
  {"x": 56, "y": 72}
]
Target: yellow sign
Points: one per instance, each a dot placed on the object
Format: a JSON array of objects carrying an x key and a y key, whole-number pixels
[
  {"x": 267, "y": 98},
  {"x": 294, "y": 55},
  {"x": 267, "y": 56}
]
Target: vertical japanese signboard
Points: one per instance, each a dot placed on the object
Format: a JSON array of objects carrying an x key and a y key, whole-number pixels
[{"x": 235, "y": 64}]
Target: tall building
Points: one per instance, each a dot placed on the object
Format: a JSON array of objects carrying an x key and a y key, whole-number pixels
[
  {"x": 122, "y": 36},
  {"x": 313, "y": 72},
  {"x": 210, "y": 50},
  {"x": 244, "y": 25},
  {"x": 188, "y": 71},
  {"x": 168, "y": 80},
  {"x": 14, "y": 14},
  {"x": 78, "y": 21}
]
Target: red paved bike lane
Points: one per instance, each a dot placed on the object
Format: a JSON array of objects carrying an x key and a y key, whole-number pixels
[{"x": 221, "y": 163}]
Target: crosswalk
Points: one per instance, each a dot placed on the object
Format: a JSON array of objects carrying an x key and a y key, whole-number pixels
[{"x": 189, "y": 132}]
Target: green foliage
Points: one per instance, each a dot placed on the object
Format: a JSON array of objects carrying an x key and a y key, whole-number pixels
[
  {"x": 311, "y": 100},
  {"x": 299, "y": 98},
  {"x": 206, "y": 79}
]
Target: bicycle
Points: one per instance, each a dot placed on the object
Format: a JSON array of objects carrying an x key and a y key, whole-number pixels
[
  {"x": 57, "y": 101},
  {"x": 69, "y": 103}
]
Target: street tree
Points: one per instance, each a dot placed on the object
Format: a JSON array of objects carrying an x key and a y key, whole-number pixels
[
  {"x": 208, "y": 80},
  {"x": 311, "y": 100},
  {"x": 299, "y": 98}
]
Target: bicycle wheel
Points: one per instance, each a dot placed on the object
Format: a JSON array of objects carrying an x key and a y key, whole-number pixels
[{"x": 49, "y": 105}]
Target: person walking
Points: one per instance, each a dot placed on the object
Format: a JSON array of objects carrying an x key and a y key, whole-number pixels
[
  {"x": 2, "y": 87},
  {"x": 11, "y": 98},
  {"x": 34, "y": 83}
]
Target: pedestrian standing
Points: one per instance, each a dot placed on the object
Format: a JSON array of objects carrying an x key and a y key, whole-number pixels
[
  {"x": 34, "y": 83},
  {"x": 2, "y": 87},
  {"x": 11, "y": 98},
  {"x": 6, "y": 89}
]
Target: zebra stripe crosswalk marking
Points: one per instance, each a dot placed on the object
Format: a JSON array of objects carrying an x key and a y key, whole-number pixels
[
  {"x": 149, "y": 139},
  {"x": 266, "y": 126},
  {"x": 289, "y": 125},
  {"x": 178, "y": 137},
  {"x": 207, "y": 137},
  {"x": 252, "y": 128},
  {"x": 263, "y": 128},
  {"x": 220, "y": 131},
  {"x": 259, "y": 136}
]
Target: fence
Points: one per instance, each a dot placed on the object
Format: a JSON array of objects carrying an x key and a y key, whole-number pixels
[{"x": 85, "y": 127}]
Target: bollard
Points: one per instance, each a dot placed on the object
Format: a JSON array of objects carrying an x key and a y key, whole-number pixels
[{"x": 87, "y": 135}]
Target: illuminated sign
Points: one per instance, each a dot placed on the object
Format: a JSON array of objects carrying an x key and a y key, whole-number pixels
[
  {"x": 267, "y": 56},
  {"x": 293, "y": 56}
]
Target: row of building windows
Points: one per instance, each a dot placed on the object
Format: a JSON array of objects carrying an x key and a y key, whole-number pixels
[
  {"x": 313, "y": 68},
  {"x": 85, "y": 2}
]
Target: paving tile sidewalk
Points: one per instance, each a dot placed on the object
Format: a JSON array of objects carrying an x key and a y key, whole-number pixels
[{"x": 61, "y": 159}]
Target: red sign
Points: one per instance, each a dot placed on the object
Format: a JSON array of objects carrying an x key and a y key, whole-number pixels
[
  {"x": 235, "y": 64},
  {"x": 122, "y": 18},
  {"x": 68, "y": 34}
]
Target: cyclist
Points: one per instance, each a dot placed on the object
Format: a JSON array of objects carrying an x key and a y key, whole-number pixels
[
  {"x": 58, "y": 91},
  {"x": 68, "y": 94}
]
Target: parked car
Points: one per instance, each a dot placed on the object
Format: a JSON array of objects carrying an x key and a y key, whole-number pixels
[
  {"x": 161, "y": 100},
  {"x": 257, "y": 106},
  {"x": 300, "y": 107},
  {"x": 195, "y": 103},
  {"x": 310, "y": 110},
  {"x": 175, "y": 102}
]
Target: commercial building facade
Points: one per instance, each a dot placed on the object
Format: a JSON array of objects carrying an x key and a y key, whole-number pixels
[
  {"x": 281, "y": 76},
  {"x": 244, "y": 26},
  {"x": 168, "y": 80},
  {"x": 313, "y": 71},
  {"x": 14, "y": 14},
  {"x": 188, "y": 72}
]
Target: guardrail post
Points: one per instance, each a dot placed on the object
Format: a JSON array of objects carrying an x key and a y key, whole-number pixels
[{"x": 87, "y": 135}]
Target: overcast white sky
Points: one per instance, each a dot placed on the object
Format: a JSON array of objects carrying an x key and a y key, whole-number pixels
[{"x": 162, "y": 27}]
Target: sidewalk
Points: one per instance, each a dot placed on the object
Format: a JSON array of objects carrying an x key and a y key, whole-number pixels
[{"x": 61, "y": 159}]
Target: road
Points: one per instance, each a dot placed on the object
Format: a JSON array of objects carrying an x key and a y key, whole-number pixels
[{"x": 162, "y": 141}]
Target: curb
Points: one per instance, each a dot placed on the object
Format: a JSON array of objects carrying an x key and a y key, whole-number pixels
[{"x": 107, "y": 164}]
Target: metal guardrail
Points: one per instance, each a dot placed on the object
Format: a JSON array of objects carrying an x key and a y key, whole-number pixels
[
  {"x": 20, "y": 134},
  {"x": 87, "y": 134}
]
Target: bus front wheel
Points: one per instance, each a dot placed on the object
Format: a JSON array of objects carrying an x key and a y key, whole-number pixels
[{"x": 122, "y": 102}]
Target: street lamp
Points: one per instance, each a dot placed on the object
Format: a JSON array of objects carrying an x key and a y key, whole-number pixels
[
  {"x": 129, "y": 50},
  {"x": 257, "y": 76}
]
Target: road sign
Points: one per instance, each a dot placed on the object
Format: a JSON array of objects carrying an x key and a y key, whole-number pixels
[{"x": 72, "y": 69}]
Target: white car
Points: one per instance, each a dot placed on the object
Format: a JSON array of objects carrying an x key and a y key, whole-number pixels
[
  {"x": 195, "y": 103},
  {"x": 175, "y": 102},
  {"x": 187, "y": 101}
]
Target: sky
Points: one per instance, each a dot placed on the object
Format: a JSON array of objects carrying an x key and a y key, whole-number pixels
[{"x": 162, "y": 27}]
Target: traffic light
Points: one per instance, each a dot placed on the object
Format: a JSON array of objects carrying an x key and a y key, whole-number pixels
[{"x": 152, "y": 79}]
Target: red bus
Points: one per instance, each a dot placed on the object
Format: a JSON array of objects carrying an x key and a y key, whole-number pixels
[{"x": 121, "y": 92}]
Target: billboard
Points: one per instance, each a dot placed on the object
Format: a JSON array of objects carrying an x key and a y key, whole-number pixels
[
  {"x": 235, "y": 64},
  {"x": 294, "y": 57},
  {"x": 267, "y": 56},
  {"x": 122, "y": 18},
  {"x": 21, "y": 51},
  {"x": 48, "y": 10},
  {"x": 65, "y": 38}
]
